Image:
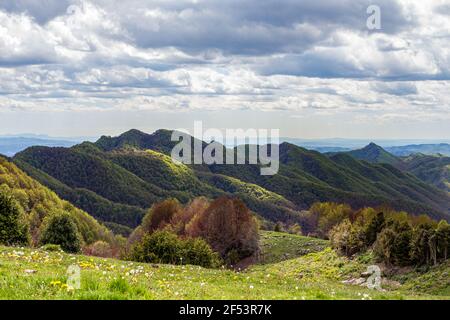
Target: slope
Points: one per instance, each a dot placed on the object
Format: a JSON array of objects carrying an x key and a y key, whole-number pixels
[
  {"x": 135, "y": 169},
  {"x": 38, "y": 202}
]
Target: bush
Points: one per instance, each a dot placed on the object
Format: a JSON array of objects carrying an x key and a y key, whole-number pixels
[
  {"x": 99, "y": 249},
  {"x": 322, "y": 217},
  {"x": 62, "y": 230},
  {"x": 52, "y": 248},
  {"x": 198, "y": 252},
  {"x": 166, "y": 247},
  {"x": 13, "y": 228},
  {"x": 347, "y": 238},
  {"x": 295, "y": 229}
]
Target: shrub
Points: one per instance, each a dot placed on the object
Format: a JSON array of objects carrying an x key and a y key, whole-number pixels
[
  {"x": 99, "y": 249},
  {"x": 166, "y": 247},
  {"x": 52, "y": 248},
  {"x": 13, "y": 228},
  {"x": 278, "y": 227},
  {"x": 62, "y": 230},
  {"x": 295, "y": 229},
  {"x": 198, "y": 252},
  {"x": 322, "y": 217},
  {"x": 347, "y": 238}
]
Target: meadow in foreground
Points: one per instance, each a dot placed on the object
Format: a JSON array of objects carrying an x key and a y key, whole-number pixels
[{"x": 39, "y": 274}]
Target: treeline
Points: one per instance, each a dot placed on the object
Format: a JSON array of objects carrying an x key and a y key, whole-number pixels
[
  {"x": 395, "y": 238},
  {"x": 202, "y": 232}
]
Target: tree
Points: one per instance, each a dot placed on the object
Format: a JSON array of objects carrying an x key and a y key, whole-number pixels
[
  {"x": 347, "y": 238},
  {"x": 229, "y": 227},
  {"x": 420, "y": 244},
  {"x": 375, "y": 225},
  {"x": 443, "y": 239},
  {"x": 183, "y": 221},
  {"x": 327, "y": 215},
  {"x": 13, "y": 228},
  {"x": 61, "y": 229},
  {"x": 393, "y": 244},
  {"x": 161, "y": 214}
]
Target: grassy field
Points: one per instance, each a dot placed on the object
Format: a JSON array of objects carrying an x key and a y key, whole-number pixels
[
  {"x": 38, "y": 274},
  {"x": 278, "y": 246}
]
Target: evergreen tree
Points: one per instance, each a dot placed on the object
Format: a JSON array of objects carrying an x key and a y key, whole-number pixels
[
  {"x": 13, "y": 228},
  {"x": 62, "y": 230},
  {"x": 374, "y": 227}
]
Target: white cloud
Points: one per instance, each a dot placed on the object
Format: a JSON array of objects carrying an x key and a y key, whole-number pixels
[{"x": 287, "y": 56}]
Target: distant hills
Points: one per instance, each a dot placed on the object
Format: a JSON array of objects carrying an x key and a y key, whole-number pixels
[
  {"x": 427, "y": 149},
  {"x": 396, "y": 147},
  {"x": 376, "y": 154},
  {"x": 12, "y": 144},
  {"x": 432, "y": 169},
  {"x": 9, "y": 146},
  {"x": 116, "y": 178}
]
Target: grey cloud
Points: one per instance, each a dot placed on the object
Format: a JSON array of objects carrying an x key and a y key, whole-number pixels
[
  {"x": 397, "y": 89},
  {"x": 41, "y": 10},
  {"x": 251, "y": 26}
]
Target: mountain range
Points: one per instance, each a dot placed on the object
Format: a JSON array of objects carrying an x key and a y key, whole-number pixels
[
  {"x": 10, "y": 145},
  {"x": 117, "y": 178},
  {"x": 432, "y": 169}
]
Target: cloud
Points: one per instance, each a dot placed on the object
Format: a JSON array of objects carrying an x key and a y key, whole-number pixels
[
  {"x": 398, "y": 89},
  {"x": 287, "y": 56}
]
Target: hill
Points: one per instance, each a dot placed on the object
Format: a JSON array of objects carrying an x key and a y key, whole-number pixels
[
  {"x": 434, "y": 170},
  {"x": 9, "y": 146},
  {"x": 280, "y": 246},
  {"x": 37, "y": 202},
  {"x": 117, "y": 186},
  {"x": 130, "y": 172},
  {"x": 427, "y": 149},
  {"x": 375, "y": 154},
  {"x": 38, "y": 274},
  {"x": 431, "y": 169}
]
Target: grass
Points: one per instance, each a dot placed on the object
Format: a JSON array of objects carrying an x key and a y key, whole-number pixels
[
  {"x": 38, "y": 274},
  {"x": 277, "y": 246}
]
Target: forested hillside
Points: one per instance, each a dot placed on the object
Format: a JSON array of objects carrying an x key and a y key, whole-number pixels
[
  {"x": 37, "y": 203},
  {"x": 433, "y": 169},
  {"x": 115, "y": 179}
]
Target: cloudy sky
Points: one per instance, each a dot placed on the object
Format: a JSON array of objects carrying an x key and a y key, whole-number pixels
[{"x": 311, "y": 68}]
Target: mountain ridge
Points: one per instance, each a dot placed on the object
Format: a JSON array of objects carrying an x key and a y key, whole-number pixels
[{"x": 305, "y": 176}]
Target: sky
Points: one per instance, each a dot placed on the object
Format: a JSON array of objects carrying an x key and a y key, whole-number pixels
[{"x": 312, "y": 69}]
